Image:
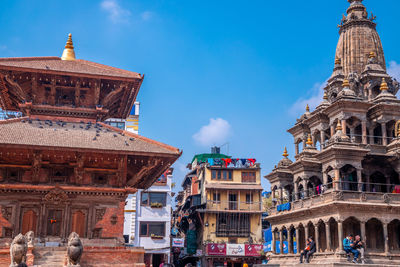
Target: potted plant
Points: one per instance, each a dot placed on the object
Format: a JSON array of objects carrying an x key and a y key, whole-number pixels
[
  {"x": 153, "y": 236},
  {"x": 156, "y": 205}
]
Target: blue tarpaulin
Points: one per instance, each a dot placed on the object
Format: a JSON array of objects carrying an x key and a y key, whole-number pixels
[{"x": 283, "y": 207}]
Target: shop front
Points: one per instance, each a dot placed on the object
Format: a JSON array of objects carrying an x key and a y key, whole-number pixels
[{"x": 232, "y": 255}]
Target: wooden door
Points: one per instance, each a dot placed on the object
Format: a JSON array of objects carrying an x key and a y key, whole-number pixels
[
  {"x": 29, "y": 219},
  {"x": 54, "y": 222},
  {"x": 78, "y": 223}
]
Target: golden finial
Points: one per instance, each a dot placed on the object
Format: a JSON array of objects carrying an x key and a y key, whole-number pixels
[
  {"x": 309, "y": 141},
  {"x": 346, "y": 83},
  {"x": 325, "y": 96},
  {"x": 338, "y": 61},
  {"x": 371, "y": 54},
  {"x": 307, "y": 108},
  {"x": 384, "y": 86},
  {"x": 338, "y": 126},
  {"x": 69, "y": 53},
  {"x": 285, "y": 154}
]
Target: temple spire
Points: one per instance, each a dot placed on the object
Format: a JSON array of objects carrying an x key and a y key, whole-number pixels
[
  {"x": 384, "y": 86},
  {"x": 69, "y": 53},
  {"x": 285, "y": 153}
]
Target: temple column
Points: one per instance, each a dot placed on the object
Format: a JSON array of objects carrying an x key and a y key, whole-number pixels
[
  {"x": 340, "y": 235},
  {"x": 359, "y": 180},
  {"x": 290, "y": 240},
  {"x": 296, "y": 148},
  {"x": 317, "y": 244},
  {"x": 297, "y": 240},
  {"x": 304, "y": 143},
  {"x": 386, "y": 237},
  {"x": 362, "y": 230},
  {"x": 281, "y": 194},
  {"x": 324, "y": 178},
  {"x": 371, "y": 135},
  {"x": 273, "y": 242},
  {"x": 344, "y": 127},
  {"x": 313, "y": 140},
  {"x": 364, "y": 132},
  {"x": 351, "y": 133},
  {"x": 332, "y": 130},
  {"x": 281, "y": 241},
  {"x": 322, "y": 138},
  {"x": 296, "y": 191},
  {"x": 305, "y": 180},
  {"x": 337, "y": 179},
  {"x": 306, "y": 233},
  {"x": 328, "y": 236},
  {"x": 384, "y": 133}
]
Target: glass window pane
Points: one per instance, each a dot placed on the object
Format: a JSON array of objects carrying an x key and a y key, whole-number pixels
[
  {"x": 143, "y": 229},
  {"x": 158, "y": 198},
  {"x": 145, "y": 198},
  {"x": 157, "y": 229}
]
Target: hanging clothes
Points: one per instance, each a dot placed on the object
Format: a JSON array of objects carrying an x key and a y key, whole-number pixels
[
  {"x": 210, "y": 161},
  {"x": 227, "y": 162},
  {"x": 217, "y": 162},
  {"x": 234, "y": 161},
  {"x": 243, "y": 161},
  {"x": 252, "y": 161}
]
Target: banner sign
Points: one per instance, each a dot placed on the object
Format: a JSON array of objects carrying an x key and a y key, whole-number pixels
[
  {"x": 216, "y": 249},
  {"x": 253, "y": 250},
  {"x": 235, "y": 249},
  {"x": 178, "y": 242}
]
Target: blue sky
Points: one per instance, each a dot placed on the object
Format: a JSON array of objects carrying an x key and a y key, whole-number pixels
[{"x": 242, "y": 69}]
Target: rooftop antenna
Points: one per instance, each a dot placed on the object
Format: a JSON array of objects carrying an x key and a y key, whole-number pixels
[{"x": 227, "y": 147}]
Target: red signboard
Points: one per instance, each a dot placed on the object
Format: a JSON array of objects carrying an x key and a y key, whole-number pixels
[
  {"x": 216, "y": 249},
  {"x": 253, "y": 250}
]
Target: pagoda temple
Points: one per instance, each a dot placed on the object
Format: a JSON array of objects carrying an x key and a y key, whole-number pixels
[
  {"x": 345, "y": 175},
  {"x": 62, "y": 169}
]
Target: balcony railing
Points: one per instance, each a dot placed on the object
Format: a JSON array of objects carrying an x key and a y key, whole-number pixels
[
  {"x": 339, "y": 191},
  {"x": 233, "y": 206}
]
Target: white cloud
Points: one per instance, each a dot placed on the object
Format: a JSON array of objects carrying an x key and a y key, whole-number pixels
[
  {"x": 216, "y": 132},
  {"x": 146, "y": 15},
  {"x": 316, "y": 94},
  {"x": 116, "y": 13}
]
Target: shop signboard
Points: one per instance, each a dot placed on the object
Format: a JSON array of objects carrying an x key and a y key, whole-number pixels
[
  {"x": 216, "y": 249},
  {"x": 178, "y": 242},
  {"x": 235, "y": 249},
  {"x": 253, "y": 250}
]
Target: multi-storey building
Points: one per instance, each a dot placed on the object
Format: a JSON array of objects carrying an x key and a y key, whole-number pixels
[
  {"x": 153, "y": 220},
  {"x": 345, "y": 177},
  {"x": 221, "y": 209},
  {"x": 131, "y": 123}
]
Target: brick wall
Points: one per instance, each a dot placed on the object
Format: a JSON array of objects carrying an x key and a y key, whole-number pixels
[{"x": 110, "y": 229}]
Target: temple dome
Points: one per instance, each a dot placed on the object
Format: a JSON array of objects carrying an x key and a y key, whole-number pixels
[{"x": 358, "y": 38}]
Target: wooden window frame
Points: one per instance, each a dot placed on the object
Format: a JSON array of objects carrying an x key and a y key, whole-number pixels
[
  {"x": 249, "y": 177},
  {"x": 148, "y": 234},
  {"x": 149, "y": 198}
]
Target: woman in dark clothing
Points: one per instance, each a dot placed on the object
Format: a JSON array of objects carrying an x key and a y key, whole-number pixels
[{"x": 308, "y": 251}]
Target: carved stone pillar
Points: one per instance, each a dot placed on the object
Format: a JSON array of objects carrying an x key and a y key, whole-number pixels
[
  {"x": 364, "y": 132},
  {"x": 273, "y": 242},
  {"x": 344, "y": 127},
  {"x": 281, "y": 194},
  {"x": 324, "y": 178},
  {"x": 384, "y": 133},
  {"x": 281, "y": 241},
  {"x": 297, "y": 240},
  {"x": 328, "y": 236},
  {"x": 362, "y": 230},
  {"x": 306, "y": 233},
  {"x": 386, "y": 237},
  {"x": 332, "y": 130},
  {"x": 304, "y": 142},
  {"x": 296, "y": 191},
  {"x": 340, "y": 235},
  {"x": 296, "y": 148},
  {"x": 290, "y": 240},
  {"x": 322, "y": 138},
  {"x": 337, "y": 179},
  {"x": 317, "y": 244},
  {"x": 359, "y": 180},
  {"x": 371, "y": 135}
]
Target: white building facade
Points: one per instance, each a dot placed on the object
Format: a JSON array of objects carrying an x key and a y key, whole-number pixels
[{"x": 153, "y": 220}]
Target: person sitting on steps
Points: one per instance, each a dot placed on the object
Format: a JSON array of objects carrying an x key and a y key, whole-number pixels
[
  {"x": 308, "y": 251},
  {"x": 359, "y": 245},
  {"x": 348, "y": 246}
]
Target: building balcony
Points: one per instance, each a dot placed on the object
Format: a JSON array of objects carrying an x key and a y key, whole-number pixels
[
  {"x": 343, "y": 191},
  {"x": 233, "y": 206}
]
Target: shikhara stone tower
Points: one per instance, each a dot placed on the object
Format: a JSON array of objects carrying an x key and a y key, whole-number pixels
[{"x": 345, "y": 177}]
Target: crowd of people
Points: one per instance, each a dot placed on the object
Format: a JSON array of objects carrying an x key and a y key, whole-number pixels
[{"x": 351, "y": 245}]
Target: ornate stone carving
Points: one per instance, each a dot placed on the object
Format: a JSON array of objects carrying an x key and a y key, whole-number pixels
[
  {"x": 99, "y": 214},
  {"x": 79, "y": 171},
  {"x": 56, "y": 196},
  {"x": 6, "y": 212},
  {"x": 30, "y": 236},
  {"x": 36, "y": 166},
  {"x": 338, "y": 195},
  {"x": 363, "y": 197},
  {"x": 18, "y": 250},
  {"x": 386, "y": 198},
  {"x": 74, "y": 250}
]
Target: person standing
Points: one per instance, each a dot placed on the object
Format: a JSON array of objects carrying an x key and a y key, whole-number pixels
[
  {"x": 348, "y": 246},
  {"x": 308, "y": 251},
  {"x": 359, "y": 245}
]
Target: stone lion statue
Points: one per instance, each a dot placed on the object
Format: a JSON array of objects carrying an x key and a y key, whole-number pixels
[
  {"x": 18, "y": 250},
  {"x": 30, "y": 238},
  {"x": 75, "y": 250}
]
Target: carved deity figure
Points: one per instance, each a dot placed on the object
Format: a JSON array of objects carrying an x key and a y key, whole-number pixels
[
  {"x": 74, "y": 250},
  {"x": 18, "y": 250}
]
